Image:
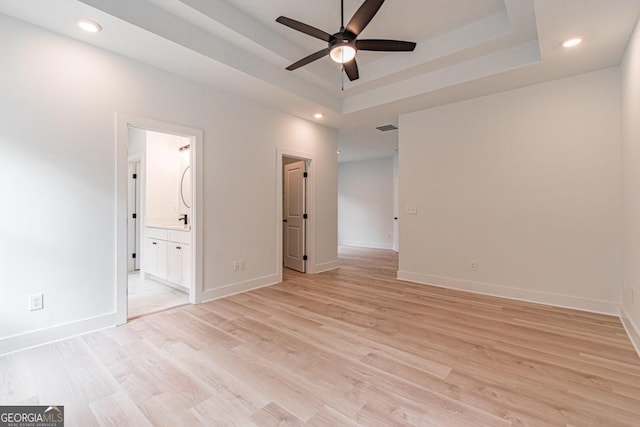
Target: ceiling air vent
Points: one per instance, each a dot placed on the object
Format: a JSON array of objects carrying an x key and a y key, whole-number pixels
[{"x": 386, "y": 128}]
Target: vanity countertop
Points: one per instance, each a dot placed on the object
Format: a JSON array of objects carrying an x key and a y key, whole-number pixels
[{"x": 178, "y": 227}]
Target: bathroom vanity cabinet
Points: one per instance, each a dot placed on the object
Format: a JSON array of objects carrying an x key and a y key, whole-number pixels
[{"x": 168, "y": 256}]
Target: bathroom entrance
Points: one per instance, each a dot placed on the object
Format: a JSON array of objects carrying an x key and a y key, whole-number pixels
[
  {"x": 159, "y": 273},
  {"x": 158, "y": 248}
]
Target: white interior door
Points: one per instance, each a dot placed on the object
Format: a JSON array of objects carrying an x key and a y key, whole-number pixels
[
  {"x": 294, "y": 211},
  {"x": 133, "y": 222}
]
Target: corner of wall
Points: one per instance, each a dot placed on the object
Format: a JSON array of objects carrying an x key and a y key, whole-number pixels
[
  {"x": 633, "y": 330},
  {"x": 326, "y": 266},
  {"x": 630, "y": 179},
  {"x": 237, "y": 288}
]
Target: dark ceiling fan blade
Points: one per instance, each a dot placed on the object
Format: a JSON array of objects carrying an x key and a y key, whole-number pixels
[
  {"x": 351, "y": 68},
  {"x": 385, "y": 45},
  {"x": 306, "y": 60},
  {"x": 363, "y": 16},
  {"x": 304, "y": 28}
]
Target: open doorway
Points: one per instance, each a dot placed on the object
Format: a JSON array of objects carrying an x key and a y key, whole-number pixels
[
  {"x": 161, "y": 266},
  {"x": 159, "y": 217}
]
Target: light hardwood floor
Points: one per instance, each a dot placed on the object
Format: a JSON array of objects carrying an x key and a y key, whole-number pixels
[{"x": 348, "y": 347}]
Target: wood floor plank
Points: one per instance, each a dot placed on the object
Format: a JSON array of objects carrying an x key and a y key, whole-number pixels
[
  {"x": 273, "y": 415},
  {"x": 118, "y": 410},
  {"x": 352, "y": 346}
]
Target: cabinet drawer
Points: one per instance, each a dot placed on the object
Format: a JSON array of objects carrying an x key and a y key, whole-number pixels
[
  {"x": 179, "y": 236},
  {"x": 156, "y": 233}
]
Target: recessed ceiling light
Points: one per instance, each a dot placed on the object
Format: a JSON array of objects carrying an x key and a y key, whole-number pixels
[
  {"x": 88, "y": 25},
  {"x": 318, "y": 115},
  {"x": 338, "y": 152},
  {"x": 572, "y": 41}
]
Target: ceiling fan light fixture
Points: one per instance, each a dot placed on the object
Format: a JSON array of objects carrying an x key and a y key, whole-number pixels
[{"x": 343, "y": 53}]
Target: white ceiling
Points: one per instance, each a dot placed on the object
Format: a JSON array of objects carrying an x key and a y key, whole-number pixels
[{"x": 466, "y": 48}]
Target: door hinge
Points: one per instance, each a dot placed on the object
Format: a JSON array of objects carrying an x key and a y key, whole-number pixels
[
  {"x": 135, "y": 176},
  {"x": 305, "y": 175},
  {"x": 133, "y": 255},
  {"x": 134, "y": 216},
  {"x": 304, "y": 258},
  {"x": 305, "y": 216}
]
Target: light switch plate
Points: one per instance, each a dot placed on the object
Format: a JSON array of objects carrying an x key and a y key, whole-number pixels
[{"x": 412, "y": 209}]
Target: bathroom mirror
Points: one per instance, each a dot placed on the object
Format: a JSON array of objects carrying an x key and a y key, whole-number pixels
[{"x": 185, "y": 187}]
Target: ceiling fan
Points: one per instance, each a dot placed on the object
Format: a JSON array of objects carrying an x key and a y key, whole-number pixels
[{"x": 344, "y": 44}]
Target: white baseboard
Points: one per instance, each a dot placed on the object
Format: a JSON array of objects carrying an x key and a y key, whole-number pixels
[
  {"x": 166, "y": 282},
  {"x": 326, "y": 266},
  {"x": 370, "y": 245},
  {"x": 558, "y": 300},
  {"x": 56, "y": 333},
  {"x": 632, "y": 329},
  {"x": 236, "y": 288}
]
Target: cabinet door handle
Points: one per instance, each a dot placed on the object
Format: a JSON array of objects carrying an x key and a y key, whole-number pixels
[
  {"x": 178, "y": 247},
  {"x": 153, "y": 243}
]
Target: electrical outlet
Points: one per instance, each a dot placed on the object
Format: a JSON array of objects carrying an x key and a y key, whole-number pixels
[
  {"x": 236, "y": 265},
  {"x": 243, "y": 265},
  {"x": 473, "y": 265},
  {"x": 36, "y": 302}
]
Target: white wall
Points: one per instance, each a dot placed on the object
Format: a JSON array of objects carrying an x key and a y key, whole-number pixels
[
  {"x": 631, "y": 187},
  {"x": 526, "y": 183},
  {"x": 365, "y": 203},
  {"x": 163, "y": 169},
  {"x": 57, "y": 168}
]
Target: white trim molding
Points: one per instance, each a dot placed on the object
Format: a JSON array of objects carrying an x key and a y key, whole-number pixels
[
  {"x": 558, "y": 300},
  {"x": 327, "y": 266},
  {"x": 369, "y": 245},
  {"x": 239, "y": 287},
  {"x": 55, "y": 333}
]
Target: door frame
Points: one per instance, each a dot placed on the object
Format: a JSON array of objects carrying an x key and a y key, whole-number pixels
[
  {"x": 123, "y": 123},
  {"x": 309, "y": 158},
  {"x": 285, "y": 216}
]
